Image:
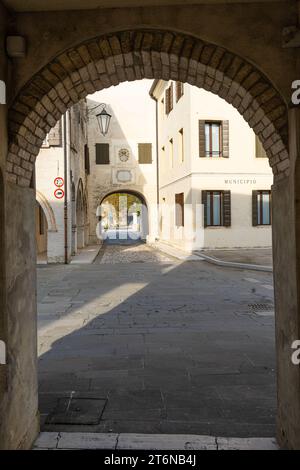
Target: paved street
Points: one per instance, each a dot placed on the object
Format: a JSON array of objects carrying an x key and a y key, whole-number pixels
[{"x": 140, "y": 342}]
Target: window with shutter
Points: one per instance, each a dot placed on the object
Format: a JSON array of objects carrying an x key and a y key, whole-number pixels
[
  {"x": 145, "y": 153},
  {"x": 225, "y": 139},
  {"x": 261, "y": 207},
  {"x": 55, "y": 135},
  {"x": 214, "y": 139},
  {"x": 169, "y": 98},
  {"x": 254, "y": 208},
  {"x": 179, "y": 90},
  {"x": 202, "y": 139},
  {"x": 102, "y": 154},
  {"x": 179, "y": 210},
  {"x": 259, "y": 150},
  {"x": 217, "y": 208},
  {"x": 226, "y": 208},
  {"x": 204, "y": 203}
]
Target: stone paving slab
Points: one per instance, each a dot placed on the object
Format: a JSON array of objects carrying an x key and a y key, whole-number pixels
[
  {"x": 114, "y": 441},
  {"x": 179, "y": 352}
]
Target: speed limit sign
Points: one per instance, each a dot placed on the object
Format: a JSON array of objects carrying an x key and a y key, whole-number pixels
[{"x": 59, "y": 181}]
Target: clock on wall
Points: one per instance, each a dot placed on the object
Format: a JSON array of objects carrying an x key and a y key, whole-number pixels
[{"x": 124, "y": 155}]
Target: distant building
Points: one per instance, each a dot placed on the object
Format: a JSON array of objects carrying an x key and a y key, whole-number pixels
[
  {"x": 62, "y": 225},
  {"x": 124, "y": 160},
  {"x": 214, "y": 177}
]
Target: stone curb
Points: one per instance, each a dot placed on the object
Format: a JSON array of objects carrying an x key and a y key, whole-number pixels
[
  {"x": 231, "y": 264},
  {"x": 128, "y": 441}
]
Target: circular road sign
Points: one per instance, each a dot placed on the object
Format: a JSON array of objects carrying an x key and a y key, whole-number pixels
[
  {"x": 59, "y": 193},
  {"x": 59, "y": 181}
]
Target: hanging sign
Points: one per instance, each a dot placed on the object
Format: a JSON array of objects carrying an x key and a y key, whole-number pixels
[
  {"x": 59, "y": 193},
  {"x": 59, "y": 181}
]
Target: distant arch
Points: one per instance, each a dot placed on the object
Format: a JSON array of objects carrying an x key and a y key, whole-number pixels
[{"x": 48, "y": 211}]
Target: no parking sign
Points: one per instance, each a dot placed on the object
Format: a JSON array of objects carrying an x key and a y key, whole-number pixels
[{"x": 59, "y": 193}]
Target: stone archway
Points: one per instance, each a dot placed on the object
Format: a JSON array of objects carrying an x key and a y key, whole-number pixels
[
  {"x": 131, "y": 55},
  {"x": 143, "y": 218}
]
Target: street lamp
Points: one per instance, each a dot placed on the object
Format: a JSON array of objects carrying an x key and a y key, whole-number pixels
[{"x": 103, "y": 118}]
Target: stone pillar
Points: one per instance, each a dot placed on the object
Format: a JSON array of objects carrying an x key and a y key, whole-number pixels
[
  {"x": 286, "y": 253},
  {"x": 19, "y": 404}
]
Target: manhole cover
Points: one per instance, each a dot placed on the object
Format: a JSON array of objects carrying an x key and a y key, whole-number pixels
[{"x": 82, "y": 411}]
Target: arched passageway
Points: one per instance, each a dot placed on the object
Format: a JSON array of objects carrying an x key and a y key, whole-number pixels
[
  {"x": 146, "y": 53},
  {"x": 41, "y": 234},
  {"x": 124, "y": 217}
]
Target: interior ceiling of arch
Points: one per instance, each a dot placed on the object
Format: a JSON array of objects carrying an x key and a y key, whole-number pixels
[{"x": 38, "y": 5}]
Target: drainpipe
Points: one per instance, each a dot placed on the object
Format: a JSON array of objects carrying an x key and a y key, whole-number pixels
[
  {"x": 151, "y": 93},
  {"x": 66, "y": 115}
]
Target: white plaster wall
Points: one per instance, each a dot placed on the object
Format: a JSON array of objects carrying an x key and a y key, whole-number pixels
[
  {"x": 49, "y": 165},
  {"x": 196, "y": 174}
]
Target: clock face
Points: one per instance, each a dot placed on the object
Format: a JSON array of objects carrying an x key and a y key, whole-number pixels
[{"x": 124, "y": 155}]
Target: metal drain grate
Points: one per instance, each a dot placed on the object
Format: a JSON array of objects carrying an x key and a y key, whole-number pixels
[{"x": 259, "y": 307}]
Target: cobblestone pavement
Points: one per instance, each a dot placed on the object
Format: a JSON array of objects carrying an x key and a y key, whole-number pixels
[
  {"x": 141, "y": 343},
  {"x": 134, "y": 253}
]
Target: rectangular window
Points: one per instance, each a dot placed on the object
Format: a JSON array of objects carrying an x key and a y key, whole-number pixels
[
  {"x": 41, "y": 221},
  {"x": 213, "y": 139},
  {"x": 261, "y": 207},
  {"x": 217, "y": 208},
  {"x": 179, "y": 210},
  {"x": 102, "y": 154},
  {"x": 86, "y": 159},
  {"x": 169, "y": 99},
  {"x": 145, "y": 153},
  {"x": 179, "y": 90},
  {"x": 181, "y": 145},
  {"x": 259, "y": 150},
  {"x": 171, "y": 152}
]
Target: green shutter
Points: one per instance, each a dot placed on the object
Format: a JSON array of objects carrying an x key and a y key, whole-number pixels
[
  {"x": 204, "y": 202},
  {"x": 55, "y": 135},
  {"x": 226, "y": 208},
  {"x": 201, "y": 139},
  {"x": 225, "y": 139},
  {"x": 102, "y": 154},
  {"x": 254, "y": 208},
  {"x": 145, "y": 153},
  {"x": 259, "y": 150}
]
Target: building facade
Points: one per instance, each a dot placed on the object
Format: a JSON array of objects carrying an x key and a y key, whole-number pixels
[
  {"x": 61, "y": 188},
  {"x": 124, "y": 160},
  {"x": 214, "y": 177}
]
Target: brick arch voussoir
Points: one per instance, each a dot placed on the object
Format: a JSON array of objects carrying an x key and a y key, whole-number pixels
[{"x": 132, "y": 55}]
